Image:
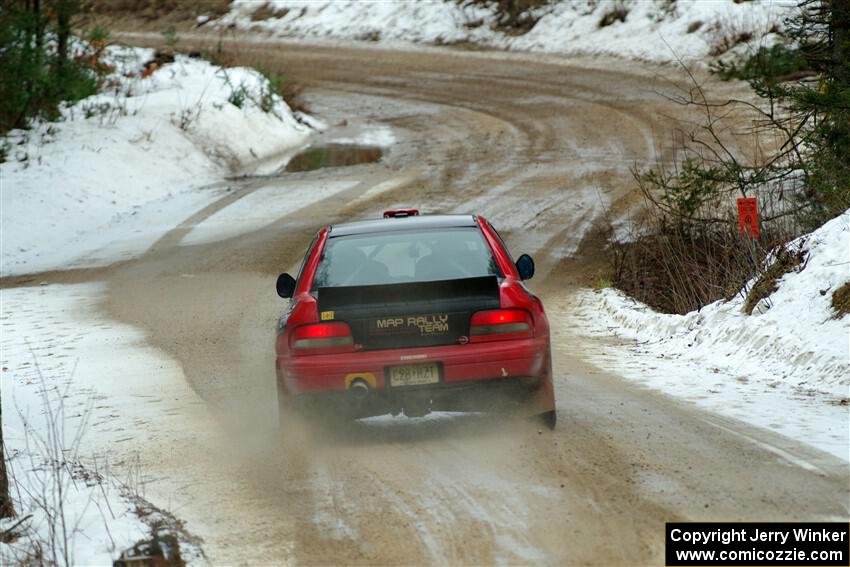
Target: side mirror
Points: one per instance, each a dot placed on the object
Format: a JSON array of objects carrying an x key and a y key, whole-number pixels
[
  {"x": 525, "y": 267},
  {"x": 285, "y": 285}
]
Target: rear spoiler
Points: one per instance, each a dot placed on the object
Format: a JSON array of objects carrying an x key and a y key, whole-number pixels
[{"x": 421, "y": 297}]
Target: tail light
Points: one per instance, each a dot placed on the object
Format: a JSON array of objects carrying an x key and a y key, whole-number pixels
[
  {"x": 500, "y": 324},
  {"x": 323, "y": 338}
]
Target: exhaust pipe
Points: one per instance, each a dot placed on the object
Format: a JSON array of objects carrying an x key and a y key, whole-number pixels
[{"x": 359, "y": 389}]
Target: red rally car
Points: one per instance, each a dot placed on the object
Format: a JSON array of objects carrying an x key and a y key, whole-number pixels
[{"x": 412, "y": 314}]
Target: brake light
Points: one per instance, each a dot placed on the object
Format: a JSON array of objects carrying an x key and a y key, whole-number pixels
[
  {"x": 500, "y": 324},
  {"x": 322, "y": 338}
]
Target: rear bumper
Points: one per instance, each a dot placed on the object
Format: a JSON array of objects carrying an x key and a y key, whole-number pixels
[
  {"x": 459, "y": 365},
  {"x": 503, "y": 395}
]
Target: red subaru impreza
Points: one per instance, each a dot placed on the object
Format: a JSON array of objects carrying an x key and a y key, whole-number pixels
[{"x": 412, "y": 314}]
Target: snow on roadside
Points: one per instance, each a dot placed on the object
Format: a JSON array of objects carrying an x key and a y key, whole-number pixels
[
  {"x": 785, "y": 367},
  {"x": 72, "y": 414},
  {"x": 651, "y": 30},
  {"x": 123, "y": 166},
  {"x": 91, "y": 505}
]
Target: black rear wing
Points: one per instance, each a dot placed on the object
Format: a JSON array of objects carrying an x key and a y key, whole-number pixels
[
  {"x": 411, "y": 298},
  {"x": 409, "y": 314}
]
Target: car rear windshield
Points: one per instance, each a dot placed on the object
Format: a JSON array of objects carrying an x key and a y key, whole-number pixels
[{"x": 408, "y": 256}]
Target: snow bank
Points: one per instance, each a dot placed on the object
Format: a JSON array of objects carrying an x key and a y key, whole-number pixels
[
  {"x": 786, "y": 366},
  {"x": 652, "y": 30},
  {"x": 72, "y": 415},
  {"x": 124, "y": 166}
]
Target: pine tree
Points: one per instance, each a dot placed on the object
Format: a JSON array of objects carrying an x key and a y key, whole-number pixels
[{"x": 821, "y": 30}]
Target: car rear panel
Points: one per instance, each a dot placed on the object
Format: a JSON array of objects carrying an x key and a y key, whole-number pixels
[{"x": 458, "y": 363}]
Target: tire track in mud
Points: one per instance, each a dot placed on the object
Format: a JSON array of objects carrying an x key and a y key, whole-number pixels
[
  {"x": 441, "y": 493},
  {"x": 499, "y": 181}
]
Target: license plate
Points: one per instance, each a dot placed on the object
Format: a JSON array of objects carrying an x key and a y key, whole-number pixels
[{"x": 415, "y": 375}]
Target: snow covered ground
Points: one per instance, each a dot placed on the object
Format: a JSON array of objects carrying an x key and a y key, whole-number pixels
[
  {"x": 175, "y": 133},
  {"x": 102, "y": 184},
  {"x": 72, "y": 418},
  {"x": 651, "y": 30},
  {"x": 786, "y": 367},
  {"x": 124, "y": 166},
  {"x": 262, "y": 207}
]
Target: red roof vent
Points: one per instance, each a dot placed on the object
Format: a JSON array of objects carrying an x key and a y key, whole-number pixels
[{"x": 401, "y": 213}]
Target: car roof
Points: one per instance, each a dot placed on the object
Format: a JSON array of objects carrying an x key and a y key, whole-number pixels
[{"x": 420, "y": 222}]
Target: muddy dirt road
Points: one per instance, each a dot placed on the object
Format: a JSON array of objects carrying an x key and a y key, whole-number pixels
[{"x": 542, "y": 150}]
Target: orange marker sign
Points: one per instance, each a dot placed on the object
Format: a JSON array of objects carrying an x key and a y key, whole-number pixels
[{"x": 748, "y": 217}]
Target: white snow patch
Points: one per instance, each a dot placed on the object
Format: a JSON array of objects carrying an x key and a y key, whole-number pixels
[
  {"x": 786, "y": 367},
  {"x": 652, "y": 30},
  {"x": 383, "y": 188},
  {"x": 147, "y": 148},
  {"x": 100, "y": 521},
  {"x": 332, "y": 503},
  {"x": 111, "y": 386},
  {"x": 380, "y": 136},
  {"x": 263, "y": 207}
]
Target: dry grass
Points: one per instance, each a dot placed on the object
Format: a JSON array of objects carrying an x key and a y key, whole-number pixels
[
  {"x": 293, "y": 95},
  {"x": 678, "y": 265},
  {"x": 694, "y": 26},
  {"x": 677, "y": 269},
  {"x": 267, "y": 12},
  {"x": 617, "y": 14},
  {"x": 785, "y": 261},
  {"x": 724, "y": 35},
  {"x": 372, "y": 35},
  {"x": 161, "y": 550},
  {"x": 841, "y": 301},
  {"x": 151, "y": 10},
  {"x": 514, "y": 17}
]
